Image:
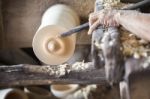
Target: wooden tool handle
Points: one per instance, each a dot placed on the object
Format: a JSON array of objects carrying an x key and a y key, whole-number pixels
[{"x": 75, "y": 30}]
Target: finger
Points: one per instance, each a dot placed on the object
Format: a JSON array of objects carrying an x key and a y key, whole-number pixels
[
  {"x": 107, "y": 23},
  {"x": 103, "y": 20},
  {"x": 111, "y": 23},
  {"x": 93, "y": 27},
  {"x": 114, "y": 23},
  {"x": 108, "y": 20},
  {"x": 92, "y": 18}
]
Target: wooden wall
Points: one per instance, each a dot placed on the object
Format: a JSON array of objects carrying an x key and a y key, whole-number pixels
[{"x": 1, "y": 28}]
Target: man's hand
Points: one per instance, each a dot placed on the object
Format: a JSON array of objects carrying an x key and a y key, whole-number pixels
[
  {"x": 133, "y": 21},
  {"x": 105, "y": 17}
]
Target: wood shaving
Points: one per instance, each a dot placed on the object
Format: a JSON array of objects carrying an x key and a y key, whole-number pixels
[
  {"x": 108, "y": 4},
  {"x": 80, "y": 66},
  {"x": 132, "y": 46},
  {"x": 111, "y": 3},
  {"x": 83, "y": 93},
  {"x": 57, "y": 71}
]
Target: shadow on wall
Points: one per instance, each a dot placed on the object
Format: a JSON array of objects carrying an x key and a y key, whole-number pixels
[{"x": 16, "y": 56}]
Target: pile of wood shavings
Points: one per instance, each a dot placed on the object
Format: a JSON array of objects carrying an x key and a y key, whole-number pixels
[
  {"x": 80, "y": 66},
  {"x": 82, "y": 93},
  {"x": 133, "y": 46},
  {"x": 112, "y": 3},
  {"x": 58, "y": 71}
]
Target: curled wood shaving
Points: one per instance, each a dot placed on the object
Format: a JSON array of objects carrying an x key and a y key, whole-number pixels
[
  {"x": 133, "y": 46},
  {"x": 82, "y": 93},
  {"x": 111, "y": 3}
]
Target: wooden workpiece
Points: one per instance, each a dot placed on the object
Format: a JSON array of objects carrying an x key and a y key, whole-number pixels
[{"x": 47, "y": 46}]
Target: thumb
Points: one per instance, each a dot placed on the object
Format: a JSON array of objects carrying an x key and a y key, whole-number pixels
[{"x": 93, "y": 27}]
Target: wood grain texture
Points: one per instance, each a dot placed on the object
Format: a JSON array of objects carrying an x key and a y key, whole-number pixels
[
  {"x": 1, "y": 27},
  {"x": 18, "y": 75}
]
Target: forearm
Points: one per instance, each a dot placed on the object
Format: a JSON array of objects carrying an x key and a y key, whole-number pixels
[{"x": 136, "y": 22}]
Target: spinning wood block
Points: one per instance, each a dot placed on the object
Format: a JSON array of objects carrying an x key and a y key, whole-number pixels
[{"x": 47, "y": 47}]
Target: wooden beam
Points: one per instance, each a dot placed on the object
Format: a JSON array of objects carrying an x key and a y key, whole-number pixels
[
  {"x": 2, "y": 37},
  {"x": 18, "y": 75}
]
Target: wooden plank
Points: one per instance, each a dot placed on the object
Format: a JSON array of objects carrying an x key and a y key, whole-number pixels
[
  {"x": 2, "y": 38},
  {"x": 18, "y": 75}
]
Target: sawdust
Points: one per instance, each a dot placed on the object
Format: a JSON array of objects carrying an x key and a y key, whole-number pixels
[
  {"x": 133, "y": 46},
  {"x": 62, "y": 70},
  {"x": 56, "y": 71},
  {"x": 111, "y": 3},
  {"x": 82, "y": 93},
  {"x": 114, "y": 4},
  {"x": 81, "y": 66}
]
